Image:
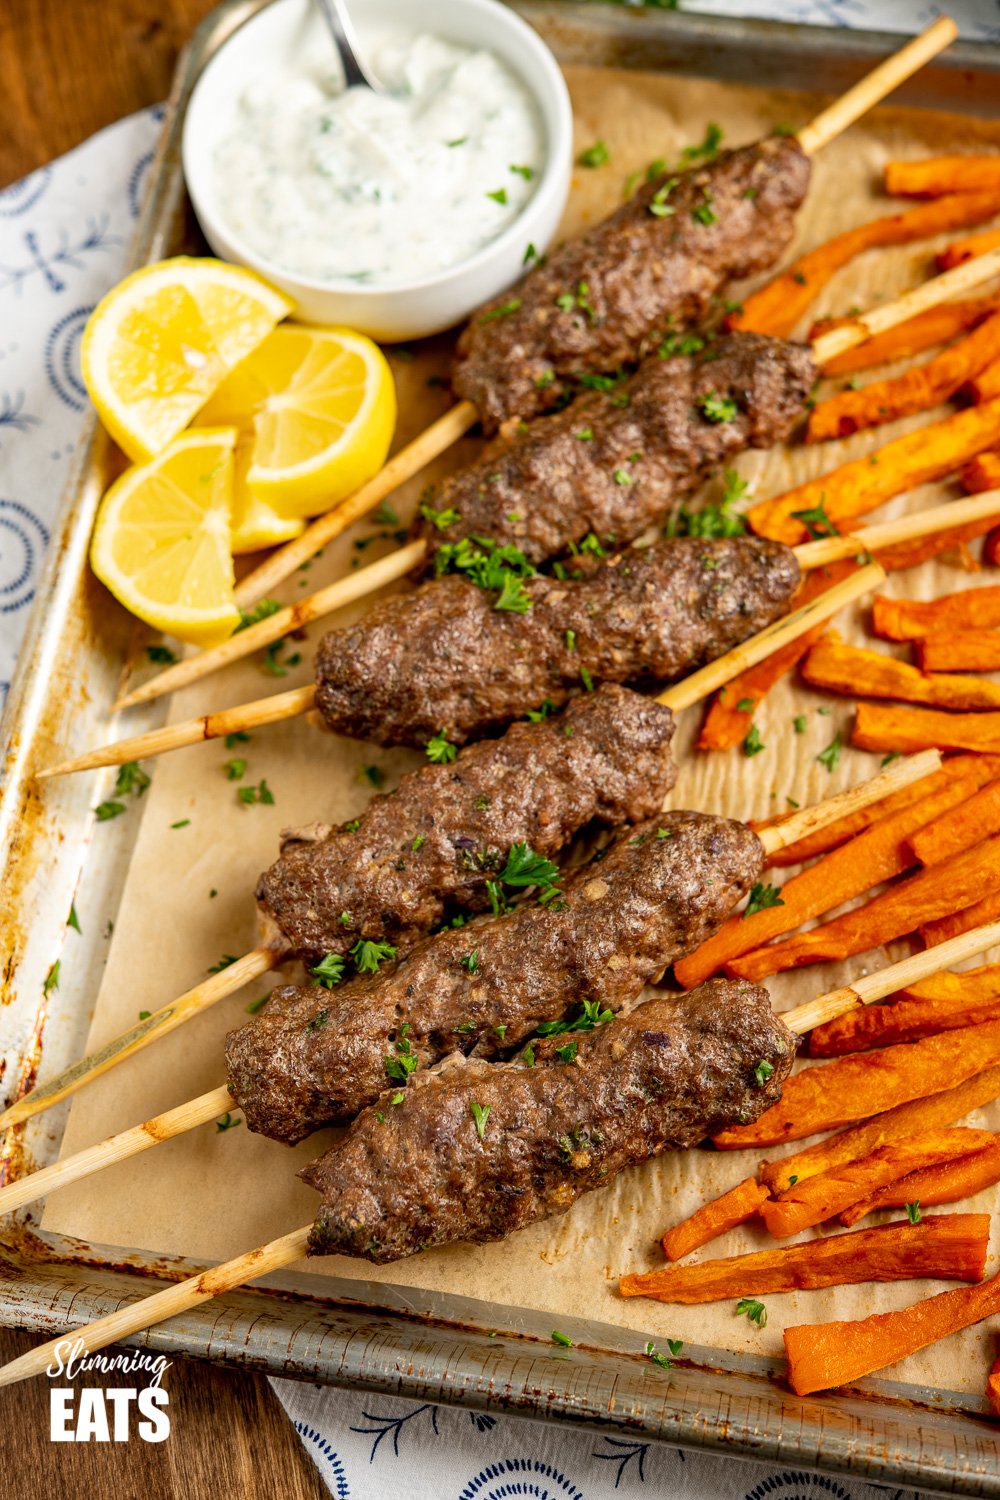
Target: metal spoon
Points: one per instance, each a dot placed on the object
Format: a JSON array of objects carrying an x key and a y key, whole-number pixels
[{"x": 341, "y": 27}]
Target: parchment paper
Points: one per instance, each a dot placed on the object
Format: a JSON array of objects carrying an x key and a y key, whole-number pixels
[{"x": 214, "y": 1194}]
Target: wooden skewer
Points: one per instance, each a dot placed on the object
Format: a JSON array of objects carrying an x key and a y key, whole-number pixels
[
  {"x": 953, "y": 513},
  {"x": 300, "y": 700},
  {"x": 139, "y": 1316},
  {"x": 876, "y": 85},
  {"x": 209, "y": 1106},
  {"x": 251, "y": 966},
  {"x": 377, "y": 575}
]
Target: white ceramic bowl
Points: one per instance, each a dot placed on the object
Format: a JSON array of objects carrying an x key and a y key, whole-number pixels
[{"x": 402, "y": 311}]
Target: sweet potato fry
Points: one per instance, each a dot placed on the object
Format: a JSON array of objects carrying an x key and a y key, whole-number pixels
[
  {"x": 936, "y": 175},
  {"x": 949, "y": 1247},
  {"x": 821, "y": 1198},
  {"x": 972, "y": 987},
  {"x": 984, "y": 386},
  {"x": 964, "y": 920},
  {"x": 777, "y": 307},
  {"x": 851, "y": 1088},
  {"x": 993, "y": 1388},
  {"x": 921, "y": 549},
  {"x": 878, "y": 854},
  {"x": 982, "y": 767},
  {"x": 948, "y": 1182},
  {"x": 923, "y": 897},
  {"x": 839, "y": 668},
  {"x": 863, "y": 484},
  {"x": 714, "y": 1218},
  {"x": 916, "y": 1117},
  {"x": 869, "y": 1026},
  {"x": 913, "y": 619},
  {"x": 983, "y": 473},
  {"x": 957, "y": 253},
  {"x": 726, "y": 722},
  {"x": 877, "y": 727},
  {"x": 935, "y": 326},
  {"x": 918, "y": 389},
  {"x": 824, "y": 1355},
  {"x": 960, "y": 651},
  {"x": 959, "y": 827},
  {"x": 991, "y": 547}
]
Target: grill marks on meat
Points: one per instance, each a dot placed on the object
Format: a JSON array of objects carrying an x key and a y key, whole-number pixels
[
  {"x": 420, "y": 850},
  {"x": 607, "y": 297},
  {"x": 313, "y": 1058},
  {"x": 549, "y": 486},
  {"x": 664, "y": 1076},
  {"x": 444, "y": 658}
]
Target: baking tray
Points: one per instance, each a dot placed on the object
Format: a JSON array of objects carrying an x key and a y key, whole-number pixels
[{"x": 366, "y": 1335}]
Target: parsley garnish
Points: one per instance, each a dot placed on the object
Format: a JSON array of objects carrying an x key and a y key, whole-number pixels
[
  {"x": 526, "y": 172},
  {"x": 238, "y": 737},
  {"x": 181, "y": 823},
  {"x": 471, "y": 962},
  {"x": 418, "y": 843},
  {"x": 249, "y": 795},
  {"x": 373, "y": 774},
  {"x": 441, "y": 519},
  {"x": 762, "y": 1071},
  {"x": 746, "y": 705},
  {"x": 718, "y": 408},
  {"x": 596, "y": 155},
  {"x": 830, "y": 757},
  {"x": 439, "y": 749},
  {"x": 257, "y": 1005},
  {"x": 761, "y": 897},
  {"x": 499, "y": 196},
  {"x": 528, "y": 1055},
  {"x": 658, "y": 205},
  {"x": 536, "y": 715},
  {"x": 73, "y": 920},
  {"x": 367, "y": 955},
  {"x": 567, "y": 1053},
  {"x": 704, "y": 212},
  {"x": 752, "y": 742},
  {"x": 329, "y": 971},
  {"x": 262, "y": 610},
  {"x": 506, "y": 308},
  {"x": 480, "y": 1114},
  {"x": 228, "y": 1121},
  {"x": 658, "y": 1359},
  {"x": 799, "y": 723},
  {"x": 709, "y": 146},
  {"x": 51, "y": 980},
  {"x": 816, "y": 521},
  {"x": 235, "y": 769},
  {"x": 913, "y": 1211},
  {"x": 754, "y": 1310},
  {"x": 224, "y": 962},
  {"x": 161, "y": 654},
  {"x": 561, "y": 1338},
  {"x": 131, "y": 779},
  {"x": 488, "y": 566}
]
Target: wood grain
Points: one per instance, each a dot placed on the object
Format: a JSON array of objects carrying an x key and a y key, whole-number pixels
[{"x": 65, "y": 72}]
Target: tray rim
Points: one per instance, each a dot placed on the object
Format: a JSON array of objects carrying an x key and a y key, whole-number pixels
[{"x": 879, "y": 1432}]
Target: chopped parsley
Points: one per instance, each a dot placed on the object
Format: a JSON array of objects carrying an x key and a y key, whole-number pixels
[
  {"x": 506, "y": 308},
  {"x": 762, "y": 1071},
  {"x": 587, "y": 680},
  {"x": 470, "y": 963},
  {"x": 816, "y": 521},
  {"x": 754, "y": 1310},
  {"x": 439, "y": 749},
  {"x": 368, "y": 955},
  {"x": 567, "y": 1052},
  {"x": 329, "y": 971},
  {"x": 527, "y": 173},
  {"x": 528, "y": 1055},
  {"x": 181, "y": 823},
  {"x": 131, "y": 780},
  {"x": 704, "y": 212},
  {"x": 238, "y": 737},
  {"x": 374, "y": 775},
  {"x": 591, "y": 1015},
  {"x": 570, "y": 640},
  {"x": 441, "y": 519},
  {"x": 596, "y": 155},
  {"x": 709, "y": 146},
  {"x": 913, "y": 1211},
  {"x": 228, "y": 1121},
  {"x": 224, "y": 963},
  {"x": 752, "y": 742},
  {"x": 746, "y": 705},
  {"x": 250, "y": 795},
  {"x": 761, "y": 897},
  {"x": 489, "y": 566},
  {"x": 418, "y": 843},
  {"x": 830, "y": 757},
  {"x": 530, "y": 254},
  {"x": 799, "y": 723},
  {"x": 235, "y": 769},
  {"x": 658, "y": 205},
  {"x": 536, "y": 715},
  {"x": 262, "y": 610},
  {"x": 622, "y": 476},
  {"x": 73, "y": 920},
  {"x": 561, "y": 1339},
  {"x": 480, "y": 1114},
  {"x": 499, "y": 196},
  {"x": 162, "y": 655},
  {"x": 51, "y": 980},
  {"x": 652, "y": 1353},
  {"x": 257, "y": 1005},
  {"x": 718, "y": 408}
]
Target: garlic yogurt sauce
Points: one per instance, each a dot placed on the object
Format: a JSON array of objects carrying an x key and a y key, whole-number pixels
[{"x": 338, "y": 184}]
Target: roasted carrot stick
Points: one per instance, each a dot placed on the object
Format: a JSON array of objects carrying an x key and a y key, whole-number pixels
[
  {"x": 731, "y": 713},
  {"x": 923, "y": 897},
  {"x": 983, "y": 767},
  {"x": 877, "y": 727},
  {"x": 912, "y": 619},
  {"x": 983, "y": 473},
  {"x": 821, "y": 1198},
  {"x": 918, "y": 389},
  {"x": 935, "y": 326},
  {"x": 777, "y": 307},
  {"x": 950, "y": 1247},
  {"x": 823, "y": 1355},
  {"x": 839, "y": 668},
  {"x": 850, "y": 1088},
  {"x": 984, "y": 386},
  {"x": 901, "y": 1021},
  {"x": 878, "y": 854},
  {"x": 993, "y": 1388},
  {"x": 948, "y": 1182},
  {"x": 958, "y": 828},
  {"x": 968, "y": 249},
  {"x": 953, "y": 924},
  {"x": 714, "y": 1218},
  {"x": 916, "y": 1117},
  {"x": 960, "y": 651},
  {"x": 936, "y": 175},
  {"x": 862, "y": 485}
]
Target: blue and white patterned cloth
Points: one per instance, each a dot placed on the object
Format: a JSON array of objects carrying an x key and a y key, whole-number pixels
[{"x": 64, "y": 240}]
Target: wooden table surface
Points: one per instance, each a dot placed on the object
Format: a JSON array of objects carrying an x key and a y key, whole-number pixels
[{"x": 67, "y": 70}]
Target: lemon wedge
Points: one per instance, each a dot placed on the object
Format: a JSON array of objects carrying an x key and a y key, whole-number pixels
[
  {"x": 255, "y": 524},
  {"x": 322, "y": 407},
  {"x": 162, "y": 340},
  {"x": 162, "y": 541}
]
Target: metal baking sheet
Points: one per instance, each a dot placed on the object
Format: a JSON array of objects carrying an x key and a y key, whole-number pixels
[{"x": 367, "y": 1335}]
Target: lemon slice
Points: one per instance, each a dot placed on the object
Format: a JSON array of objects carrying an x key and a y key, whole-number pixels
[
  {"x": 322, "y": 406},
  {"x": 255, "y": 523},
  {"x": 161, "y": 543},
  {"x": 162, "y": 340}
]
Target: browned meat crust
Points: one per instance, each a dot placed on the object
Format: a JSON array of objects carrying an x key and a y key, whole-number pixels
[
  {"x": 433, "y": 843},
  {"x": 607, "y": 297},
  {"x": 614, "y": 462},
  {"x": 423, "y": 1172},
  {"x": 315, "y": 1058},
  {"x": 444, "y": 658}
]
